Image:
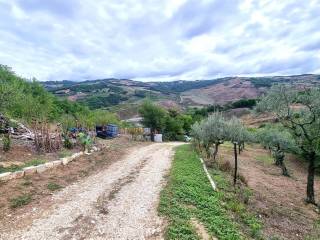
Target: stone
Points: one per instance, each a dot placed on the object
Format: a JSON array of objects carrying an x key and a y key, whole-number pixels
[
  {"x": 5, "y": 176},
  {"x": 30, "y": 170},
  {"x": 41, "y": 168},
  {"x": 18, "y": 174},
  {"x": 57, "y": 163},
  {"x": 65, "y": 160}
]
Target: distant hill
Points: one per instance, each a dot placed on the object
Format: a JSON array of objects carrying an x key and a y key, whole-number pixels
[{"x": 106, "y": 93}]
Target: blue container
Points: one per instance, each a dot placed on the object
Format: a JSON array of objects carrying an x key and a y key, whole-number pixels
[
  {"x": 108, "y": 131},
  {"x": 112, "y": 130}
]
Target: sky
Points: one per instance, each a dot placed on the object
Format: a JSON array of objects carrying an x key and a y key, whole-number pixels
[{"x": 159, "y": 40}]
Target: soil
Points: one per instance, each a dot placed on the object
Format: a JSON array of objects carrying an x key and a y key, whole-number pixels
[
  {"x": 36, "y": 184},
  {"x": 107, "y": 195},
  {"x": 277, "y": 200},
  {"x": 221, "y": 93},
  {"x": 22, "y": 152}
]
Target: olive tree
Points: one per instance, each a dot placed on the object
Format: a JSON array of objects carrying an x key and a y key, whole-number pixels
[
  {"x": 237, "y": 134},
  {"x": 299, "y": 112},
  {"x": 279, "y": 141}
]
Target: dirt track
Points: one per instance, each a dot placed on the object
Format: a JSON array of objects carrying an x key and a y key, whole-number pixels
[{"x": 117, "y": 203}]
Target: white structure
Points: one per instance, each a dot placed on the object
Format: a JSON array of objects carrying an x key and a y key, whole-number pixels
[{"x": 158, "y": 137}]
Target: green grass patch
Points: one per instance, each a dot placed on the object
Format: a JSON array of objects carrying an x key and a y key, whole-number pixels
[
  {"x": 188, "y": 194},
  {"x": 266, "y": 159},
  {"x": 64, "y": 153},
  {"x": 15, "y": 168},
  {"x": 53, "y": 186},
  {"x": 20, "y": 201},
  {"x": 34, "y": 162},
  {"x": 12, "y": 168}
]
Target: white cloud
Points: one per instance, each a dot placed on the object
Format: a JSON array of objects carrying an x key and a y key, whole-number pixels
[{"x": 159, "y": 40}]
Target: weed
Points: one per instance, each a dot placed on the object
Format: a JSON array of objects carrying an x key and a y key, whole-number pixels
[
  {"x": 189, "y": 186},
  {"x": 53, "y": 186},
  {"x": 266, "y": 159},
  {"x": 34, "y": 162},
  {"x": 64, "y": 154},
  {"x": 20, "y": 200},
  {"x": 243, "y": 179},
  {"x": 12, "y": 168},
  {"x": 225, "y": 166},
  {"x": 26, "y": 183}
]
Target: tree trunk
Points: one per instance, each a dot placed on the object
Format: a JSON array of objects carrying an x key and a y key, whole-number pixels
[
  {"x": 284, "y": 170},
  {"x": 235, "y": 163},
  {"x": 216, "y": 148},
  {"x": 310, "y": 183}
]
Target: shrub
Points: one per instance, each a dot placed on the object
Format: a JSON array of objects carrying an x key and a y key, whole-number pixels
[
  {"x": 53, "y": 186},
  {"x": 6, "y": 142},
  {"x": 20, "y": 200}
]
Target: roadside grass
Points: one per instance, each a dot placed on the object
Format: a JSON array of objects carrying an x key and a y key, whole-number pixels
[
  {"x": 20, "y": 200},
  {"x": 315, "y": 233},
  {"x": 53, "y": 186},
  {"x": 64, "y": 153},
  {"x": 15, "y": 168},
  {"x": 188, "y": 195}
]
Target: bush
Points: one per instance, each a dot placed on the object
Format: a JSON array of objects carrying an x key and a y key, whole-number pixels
[
  {"x": 53, "y": 186},
  {"x": 20, "y": 200},
  {"x": 6, "y": 142}
]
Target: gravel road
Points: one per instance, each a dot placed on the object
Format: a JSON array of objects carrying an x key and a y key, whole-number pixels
[{"x": 119, "y": 202}]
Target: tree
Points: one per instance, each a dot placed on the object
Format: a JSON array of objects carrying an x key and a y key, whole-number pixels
[
  {"x": 279, "y": 141},
  {"x": 237, "y": 134},
  {"x": 299, "y": 112},
  {"x": 153, "y": 117},
  {"x": 210, "y": 132}
]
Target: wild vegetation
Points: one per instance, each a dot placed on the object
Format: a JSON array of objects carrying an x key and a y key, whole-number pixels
[
  {"x": 31, "y": 104},
  {"x": 188, "y": 201},
  {"x": 299, "y": 112},
  {"x": 172, "y": 123}
]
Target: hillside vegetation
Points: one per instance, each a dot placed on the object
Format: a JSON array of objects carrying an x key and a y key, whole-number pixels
[
  {"x": 105, "y": 93},
  {"x": 29, "y": 101}
]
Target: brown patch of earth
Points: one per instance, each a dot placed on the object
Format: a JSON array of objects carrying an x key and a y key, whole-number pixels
[
  {"x": 277, "y": 200},
  {"x": 36, "y": 185},
  {"x": 201, "y": 231}
]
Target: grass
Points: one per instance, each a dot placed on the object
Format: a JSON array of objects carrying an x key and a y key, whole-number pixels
[
  {"x": 34, "y": 162},
  {"x": 315, "y": 232},
  {"x": 20, "y": 200},
  {"x": 53, "y": 186},
  {"x": 188, "y": 194},
  {"x": 64, "y": 153},
  {"x": 266, "y": 159},
  {"x": 15, "y": 168}
]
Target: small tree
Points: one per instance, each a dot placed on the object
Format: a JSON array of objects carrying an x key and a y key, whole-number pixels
[
  {"x": 299, "y": 112},
  {"x": 279, "y": 141},
  {"x": 237, "y": 134},
  {"x": 153, "y": 117}
]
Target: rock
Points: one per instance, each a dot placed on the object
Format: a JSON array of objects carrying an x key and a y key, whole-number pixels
[
  {"x": 57, "y": 163},
  {"x": 65, "y": 160},
  {"x": 49, "y": 165},
  {"x": 18, "y": 174},
  {"x": 5, "y": 176},
  {"x": 41, "y": 168},
  {"x": 30, "y": 170}
]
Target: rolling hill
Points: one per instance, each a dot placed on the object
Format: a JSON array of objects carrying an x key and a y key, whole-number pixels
[{"x": 108, "y": 93}]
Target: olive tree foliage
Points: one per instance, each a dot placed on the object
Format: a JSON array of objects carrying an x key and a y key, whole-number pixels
[
  {"x": 279, "y": 141},
  {"x": 299, "y": 112},
  {"x": 237, "y": 134},
  {"x": 210, "y": 132}
]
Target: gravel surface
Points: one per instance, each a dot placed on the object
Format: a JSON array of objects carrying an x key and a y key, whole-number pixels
[{"x": 117, "y": 203}]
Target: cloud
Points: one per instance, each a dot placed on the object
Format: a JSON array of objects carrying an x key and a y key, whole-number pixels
[{"x": 159, "y": 40}]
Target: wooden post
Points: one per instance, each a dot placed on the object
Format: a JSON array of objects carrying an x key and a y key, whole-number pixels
[{"x": 235, "y": 163}]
